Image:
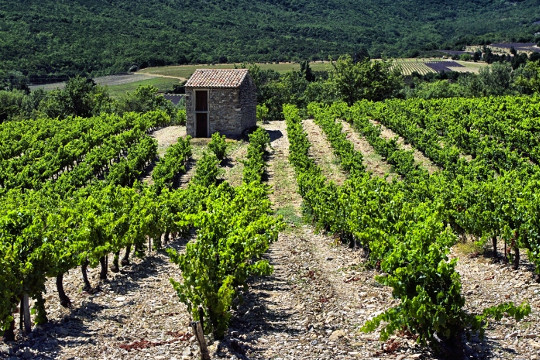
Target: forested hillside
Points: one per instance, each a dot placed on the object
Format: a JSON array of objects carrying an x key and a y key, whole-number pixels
[{"x": 48, "y": 39}]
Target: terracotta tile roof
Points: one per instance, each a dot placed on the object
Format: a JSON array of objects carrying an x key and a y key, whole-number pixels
[{"x": 217, "y": 78}]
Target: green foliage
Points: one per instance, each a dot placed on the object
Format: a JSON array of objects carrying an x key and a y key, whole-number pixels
[
  {"x": 407, "y": 226},
  {"x": 146, "y": 98},
  {"x": 437, "y": 90},
  {"x": 426, "y": 283},
  {"x": 224, "y": 256},
  {"x": 82, "y": 201},
  {"x": 126, "y": 171},
  {"x": 497, "y": 312},
  {"x": 181, "y": 117},
  {"x": 218, "y": 146},
  {"x": 351, "y": 160},
  {"x": 80, "y": 97},
  {"x": 207, "y": 171},
  {"x": 496, "y": 79},
  {"x": 527, "y": 78},
  {"x": 255, "y": 166},
  {"x": 50, "y": 40},
  {"x": 173, "y": 164},
  {"x": 11, "y": 104},
  {"x": 500, "y": 78},
  {"x": 262, "y": 113},
  {"x": 371, "y": 80},
  {"x": 13, "y": 80}
]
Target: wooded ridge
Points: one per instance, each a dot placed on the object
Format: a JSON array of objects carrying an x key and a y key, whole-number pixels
[{"x": 50, "y": 40}]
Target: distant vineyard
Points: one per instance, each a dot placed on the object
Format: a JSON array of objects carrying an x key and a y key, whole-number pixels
[
  {"x": 423, "y": 67},
  {"x": 409, "y": 67},
  {"x": 443, "y": 66}
]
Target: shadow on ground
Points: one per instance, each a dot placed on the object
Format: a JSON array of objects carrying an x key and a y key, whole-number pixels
[
  {"x": 254, "y": 319},
  {"x": 274, "y": 135}
]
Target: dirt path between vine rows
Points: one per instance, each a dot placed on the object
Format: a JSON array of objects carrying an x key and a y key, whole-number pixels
[
  {"x": 419, "y": 157},
  {"x": 197, "y": 149},
  {"x": 319, "y": 295},
  {"x": 373, "y": 162},
  {"x": 322, "y": 152},
  {"x": 233, "y": 166}
]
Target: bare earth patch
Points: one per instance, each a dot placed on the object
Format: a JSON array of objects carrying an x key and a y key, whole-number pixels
[
  {"x": 322, "y": 153},
  {"x": 168, "y": 136},
  {"x": 280, "y": 173}
]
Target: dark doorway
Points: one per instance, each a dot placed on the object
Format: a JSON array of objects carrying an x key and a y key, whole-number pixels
[
  {"x": 201, "y": 100},
  {"x": 202, "y": 125},
  {"x": 201, "y": 113}
]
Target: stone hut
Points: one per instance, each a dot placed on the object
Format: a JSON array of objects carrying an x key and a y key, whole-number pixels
[{"x": 220, "y": 100}]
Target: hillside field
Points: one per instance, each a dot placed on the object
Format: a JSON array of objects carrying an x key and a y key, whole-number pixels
[{"x": 164, "y": 78}]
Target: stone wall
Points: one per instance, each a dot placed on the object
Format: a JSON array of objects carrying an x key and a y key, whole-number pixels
[
  {"x": 248, "y": 102},
  {"x": 225, "y": 112},
  {"x": 190, "y": 113}
]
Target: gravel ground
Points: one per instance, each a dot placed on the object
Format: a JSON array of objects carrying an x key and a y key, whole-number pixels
[
  {"x": 284, "y": 190},
  {"x": 487, "y": 283},
  {"x": 123, "y": 320}
]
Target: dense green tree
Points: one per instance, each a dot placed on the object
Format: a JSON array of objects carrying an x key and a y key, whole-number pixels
[
  {"x": 306, "y": 71},
  {"x": 80, "y": 97},
  {"x": 11, "y": 104},
  {"x": 16, "y": 104},
  {"x": 436, "y": 89},
  {"x": 146, "y": 98},
  {"x": 496, "y": 79},
  {"x": 13, "y": 80},
  {"x": 372, "y": 80},
  {"x": 527, "y": 78},
  {"x": 471, "y": 85}
]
